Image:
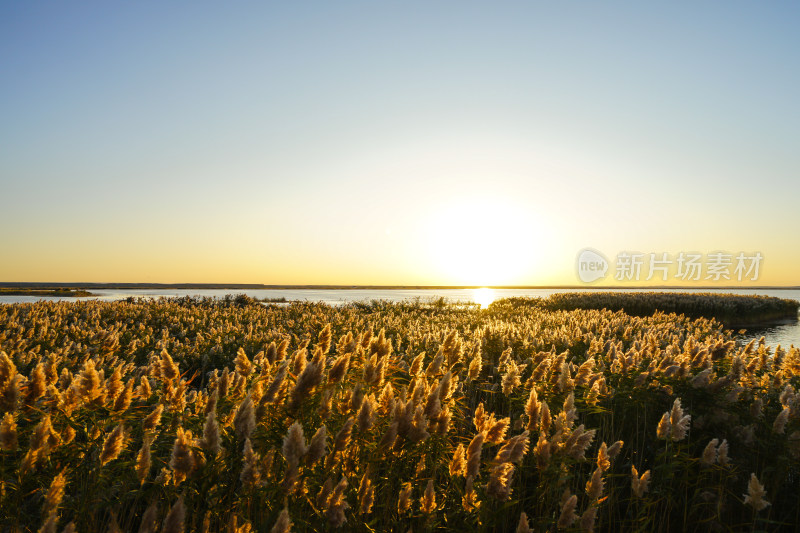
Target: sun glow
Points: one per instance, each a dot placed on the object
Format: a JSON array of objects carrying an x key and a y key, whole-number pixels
[
  {"x": 484, "y": 241},
  {"x": 484, "y": 296}
]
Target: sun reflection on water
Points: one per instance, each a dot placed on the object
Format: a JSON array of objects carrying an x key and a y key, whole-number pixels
[{"x": 483, "y": 296}]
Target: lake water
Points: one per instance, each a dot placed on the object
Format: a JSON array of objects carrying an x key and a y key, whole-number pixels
[{"x": 784, "y": 334}]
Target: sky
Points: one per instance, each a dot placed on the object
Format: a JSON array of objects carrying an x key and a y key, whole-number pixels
[{"x": 398, "y": 143}]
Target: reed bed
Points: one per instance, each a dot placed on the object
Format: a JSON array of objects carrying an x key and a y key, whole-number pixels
[
  {"x": 733, "y": 310},
  {"x": 205, "y": 415}
]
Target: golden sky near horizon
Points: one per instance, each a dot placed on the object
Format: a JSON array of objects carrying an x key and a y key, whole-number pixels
[{"x": 394, "y": 145}]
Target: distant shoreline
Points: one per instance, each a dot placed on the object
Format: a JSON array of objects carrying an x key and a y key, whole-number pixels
[
  {"x": 254, "y": 286},
  {"x": 60, "y": 291}
]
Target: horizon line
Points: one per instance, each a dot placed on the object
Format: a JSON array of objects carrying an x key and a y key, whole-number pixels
[{"x": 260, "y": 286}]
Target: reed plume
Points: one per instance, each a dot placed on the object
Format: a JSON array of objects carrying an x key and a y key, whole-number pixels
[
  {"x": 37, "y": 385},
  {"x": 779, "y": 426},
  {"x": 475, "y": 366},
  {"x": 343, "y": 435},
  {"x": 435, "y": 365},
  {"x": 145, "y": 390},
  {"x": 294, "y": 444},
  {"x": 114, "y": 384},
  {"x": 245, "y": 420},
  {"x": 594, "y": 487},
  {"x": 324, "y": 493},
  {"x": 578, "y": 442},
  {"x": 755, "y": 494},
  {"x": 176, "y": 518},
  {"x": 567, "y": 515},
  {"x": 9, "y": 389},
  {"x": 544, "y": 417},
  {"x": 614, "y": 449},
  {"x": 87, "y": 384},
  {"x": 272, "y": 392},
  {"x": 542, "y": 451},
  {"x": 722, "y": 453},
  {"x": 603, "y": 460},
  {"x": 389, "y": 438},
  {"x": 592, "y": 397},
  {"x": 283, "y": 524},
  {"x": 514, "y": 449},
  {"x": 510, "y": 379},
  {"x": 404, "y": 499},
  {"x": 182, "y": 461},
  {"x": 271, "y": 353},
  {"x": 428, "y": 500},
  {"x": 709, "y": 456},
  {"x": 124, "y": 398},
  {"x": 416, "y": 365},
  {"x": 386, "y": 399},
  {"x": 523, "y": 526},
  {"x": 497, "y": 432},
  {"x": 211, "y": 438},
  {"x": 113, "y": 445},
  {"x": 55, "y": 493},
  {"x": 49, "y": 525},
  {"x": 152, "y": 420},
  {"x": 532, "y": 408},
  {"x": 470, "y": 502},
  {"x": 584, "y": 372},
  {"x": 8, "y": 433},
  {"x": 679, "y": 423},
  {"x": 149, "y": 519},
  {"x": 143, "y": 460},
  {"x": 418, "y": 431},
  {"x": 366, "y": 413},
  {"x": 664, "y": 427},
  {"x": 458, "y": 464},
  {"x": 169, "y": 369},
  {"x": 337, "y": 505},
  {"x": 7, "y": 369},
  {"x": 587, "y": 519},
  {"x": 243, "y": 365},
  {"x": 324, "y": 339},
  {"x": 298, "y": 361},
  {"x": 339, "y": 368},
  {"x": 474, "y": 455},
  {"x": 317, "y": 447},
  {"x": 480, "y": 417},
  {"x": 250, "y": 475},
  {"x": 639, "y": 484},
  {"x": 308, "y": 380},
  {"x": 500, "y": 479},
  {"x": 366, "y": 493}
]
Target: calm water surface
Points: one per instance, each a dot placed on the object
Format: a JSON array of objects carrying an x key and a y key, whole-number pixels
[{"x": 784, "y": 334}]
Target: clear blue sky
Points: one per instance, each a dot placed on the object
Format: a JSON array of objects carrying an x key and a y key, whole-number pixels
[{"x": 392, "y": 142}]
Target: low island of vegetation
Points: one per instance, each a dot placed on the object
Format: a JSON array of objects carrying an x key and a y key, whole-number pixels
[
  {"x": 733, "y": 310},
  {"x": 55, "y": 291}
]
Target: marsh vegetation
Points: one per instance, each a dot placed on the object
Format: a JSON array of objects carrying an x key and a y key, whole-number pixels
[{"x": 212, "y": 415}]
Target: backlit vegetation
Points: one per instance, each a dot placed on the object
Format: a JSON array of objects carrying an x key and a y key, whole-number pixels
[{"x": 207, "y": 415}]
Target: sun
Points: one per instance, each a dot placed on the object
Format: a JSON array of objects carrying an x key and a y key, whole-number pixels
[
  {"x": 483, "y": 296},
  {"x": 483, "y": 241}
]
